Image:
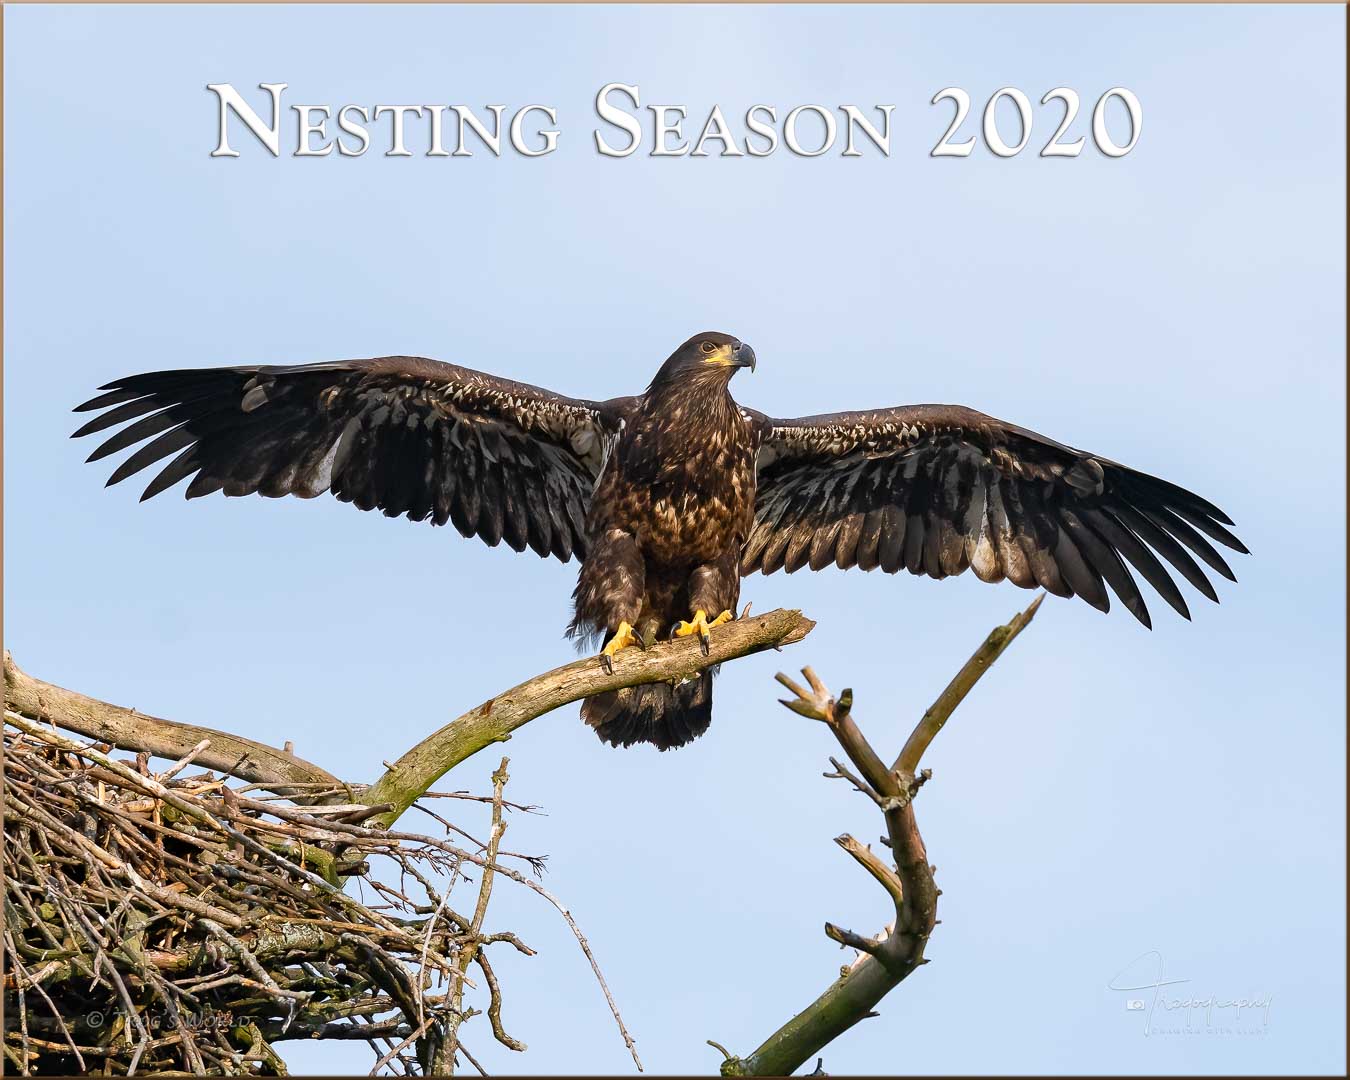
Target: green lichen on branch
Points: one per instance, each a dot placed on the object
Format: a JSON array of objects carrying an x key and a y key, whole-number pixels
[{"x": 412, "y": 775}]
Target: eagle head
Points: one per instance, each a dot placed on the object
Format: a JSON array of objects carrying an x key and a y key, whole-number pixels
[{"x": 707, "y": 357}]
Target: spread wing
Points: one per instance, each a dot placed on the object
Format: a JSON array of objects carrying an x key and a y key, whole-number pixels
[
  {"x": 501, "y": 460},
  {"x": 934, "y": 489}
]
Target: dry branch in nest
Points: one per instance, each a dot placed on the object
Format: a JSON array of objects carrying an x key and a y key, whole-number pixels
[{"x": 175, "y": 922}]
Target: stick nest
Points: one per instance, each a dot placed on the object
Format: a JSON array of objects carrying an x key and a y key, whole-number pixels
[{"x": 166, "y": 922}]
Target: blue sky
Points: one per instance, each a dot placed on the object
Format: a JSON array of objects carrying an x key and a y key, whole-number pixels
[{"x": 1105, "y": 792}]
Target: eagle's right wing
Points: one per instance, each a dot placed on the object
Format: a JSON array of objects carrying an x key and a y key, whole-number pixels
[{"x": 502, "y": 460}]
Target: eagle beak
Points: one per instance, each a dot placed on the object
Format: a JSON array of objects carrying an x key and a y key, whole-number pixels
[{"x": 744, "y": 356}]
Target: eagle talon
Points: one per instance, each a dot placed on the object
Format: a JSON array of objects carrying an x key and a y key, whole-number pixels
[
  {"x": 700, "y": 625},
  {"x": 622, "y": 639}
]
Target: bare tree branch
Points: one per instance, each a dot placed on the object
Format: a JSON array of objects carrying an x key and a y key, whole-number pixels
[
  {"x": 999, "y": 639},
  {"x": 128, "y": 729},
  {"x": 494, "y": 721},
  {"x": 888, "y": 959},
  {"x": 887, "y": 878},
  {"x": 852, "y": 940}
]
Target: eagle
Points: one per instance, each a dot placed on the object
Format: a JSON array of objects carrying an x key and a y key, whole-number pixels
[{"x": 667, "y": 499}]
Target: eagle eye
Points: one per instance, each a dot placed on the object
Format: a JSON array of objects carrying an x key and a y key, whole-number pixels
[{"x": 707, "y": 346}]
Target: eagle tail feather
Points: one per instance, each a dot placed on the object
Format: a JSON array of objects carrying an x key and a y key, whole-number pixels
[{"x": 657, "y": 713}]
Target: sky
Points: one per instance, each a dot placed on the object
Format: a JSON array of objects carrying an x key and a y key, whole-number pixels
[{"x": 1107, "y": 793}]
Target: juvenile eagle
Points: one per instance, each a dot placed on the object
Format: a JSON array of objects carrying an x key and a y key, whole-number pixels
[{"x": 669, "y": 498}]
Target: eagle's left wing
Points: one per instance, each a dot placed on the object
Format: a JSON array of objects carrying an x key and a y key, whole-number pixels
[{"x": 934, "y": 489}]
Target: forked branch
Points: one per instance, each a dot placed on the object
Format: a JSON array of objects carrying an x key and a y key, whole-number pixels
[{"x": 886, "y": 960}]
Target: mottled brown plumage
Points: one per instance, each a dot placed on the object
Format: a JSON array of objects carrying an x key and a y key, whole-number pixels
[
  {"x": 669, "y": 497},
  {"x": 670, "y": 515}
]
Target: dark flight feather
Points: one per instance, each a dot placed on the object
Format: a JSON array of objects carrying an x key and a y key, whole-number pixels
[
  {"x": 113, "y": 417},
  {"x": 104, "y": 401},
  {"x": 1139, "y": 556}
]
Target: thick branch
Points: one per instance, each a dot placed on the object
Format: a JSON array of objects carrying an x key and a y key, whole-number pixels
[
  {"x": 128, "y": 729},
  {"x": 494, "y": 721},
  {"x": 885, "y": 961}
]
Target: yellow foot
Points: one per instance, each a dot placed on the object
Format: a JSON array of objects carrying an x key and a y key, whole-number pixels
[
  {"x": 623, "y": 637},
  {"x": 700, "y": 626}
]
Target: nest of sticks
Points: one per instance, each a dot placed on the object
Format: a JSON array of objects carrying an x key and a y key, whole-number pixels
[{"x": 182, "y": 921}]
